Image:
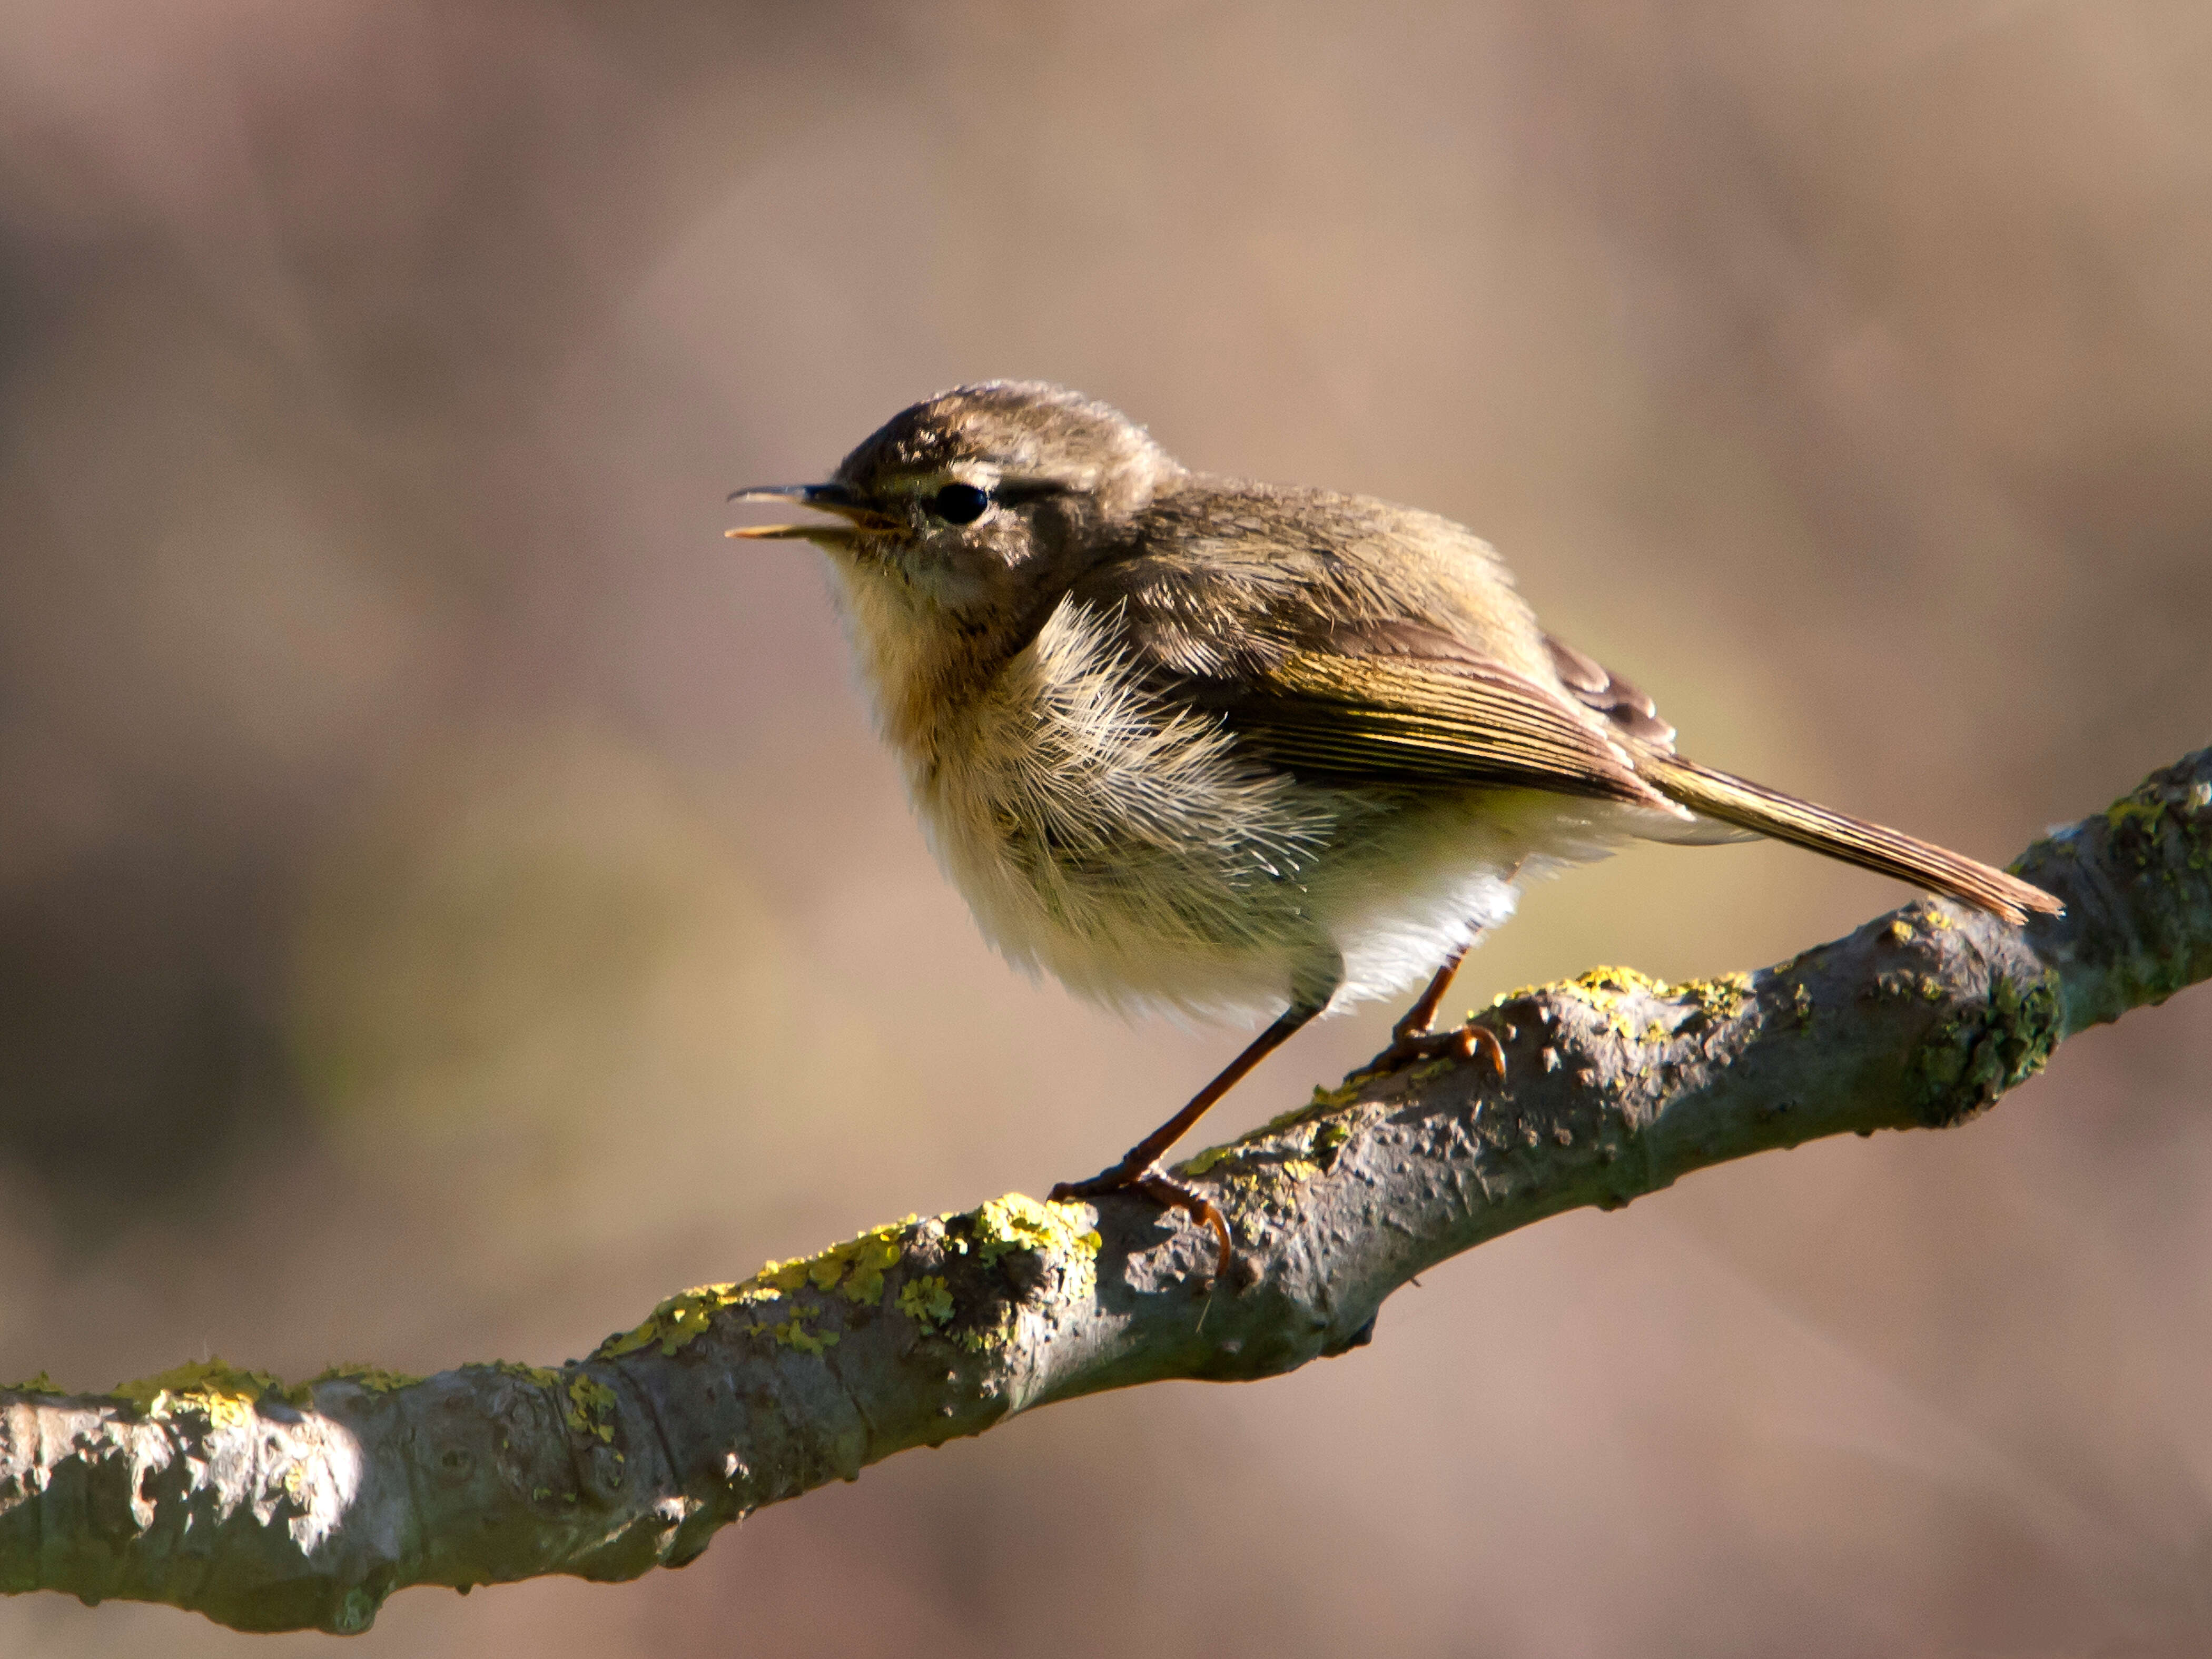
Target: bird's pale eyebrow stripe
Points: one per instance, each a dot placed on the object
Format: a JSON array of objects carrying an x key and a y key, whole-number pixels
[{"x": 912, "y": 484}]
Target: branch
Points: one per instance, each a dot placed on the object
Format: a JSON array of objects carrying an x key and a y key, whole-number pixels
[{"x": 268, "y": 1507}]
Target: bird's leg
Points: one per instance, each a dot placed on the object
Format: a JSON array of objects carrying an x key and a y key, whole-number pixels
[
  {"x": 1423, "y": 1014},
  {"x": 1140, "y": 1170},
  {"x": 1413, "y": 1039}
]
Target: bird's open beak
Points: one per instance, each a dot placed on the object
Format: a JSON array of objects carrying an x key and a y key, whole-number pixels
[{"x": 827, "y": 498}]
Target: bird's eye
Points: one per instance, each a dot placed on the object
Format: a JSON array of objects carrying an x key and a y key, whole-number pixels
[{"x": 960, "y": 503}]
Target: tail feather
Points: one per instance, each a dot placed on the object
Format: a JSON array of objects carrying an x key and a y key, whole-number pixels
[{"x": 1887, "y": 852}]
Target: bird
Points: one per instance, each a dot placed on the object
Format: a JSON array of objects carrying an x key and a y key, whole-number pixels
[{"x": 1232, "y": 750}]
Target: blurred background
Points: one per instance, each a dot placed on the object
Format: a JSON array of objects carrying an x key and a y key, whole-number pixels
[{"x": 450, "y": 897}]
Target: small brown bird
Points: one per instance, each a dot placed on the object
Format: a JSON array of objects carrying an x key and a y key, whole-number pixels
[{"x": 1225, "y": 748}]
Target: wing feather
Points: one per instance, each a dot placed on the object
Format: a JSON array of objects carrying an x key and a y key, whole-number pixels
[{"x": 1333, "y": 717}]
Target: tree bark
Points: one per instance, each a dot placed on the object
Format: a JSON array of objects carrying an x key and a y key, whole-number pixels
[{"x": 269, "y": 1508}]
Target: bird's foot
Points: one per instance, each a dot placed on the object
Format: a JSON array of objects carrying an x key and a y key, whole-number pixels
[
  {"x": 1163, "y": 1189},
  {"x": 1410, "y": 1045}
]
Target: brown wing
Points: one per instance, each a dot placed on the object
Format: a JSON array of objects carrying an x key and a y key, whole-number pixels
[
  {"x": 1333, "y": 717},
  {"x": 1606, "y": 693},
  {"x": 1630, "y": 711}
]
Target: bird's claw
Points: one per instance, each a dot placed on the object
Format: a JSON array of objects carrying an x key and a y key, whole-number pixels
[
  {"x": 1410, "y": 1048},
  {"x": 1163, "y": 1189}
]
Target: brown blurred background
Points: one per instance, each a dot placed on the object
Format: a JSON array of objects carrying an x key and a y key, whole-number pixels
[{"x": 449, "y": 898}]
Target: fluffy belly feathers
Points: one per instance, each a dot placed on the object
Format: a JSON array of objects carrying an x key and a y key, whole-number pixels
[{"x": 1134, "y": 853}]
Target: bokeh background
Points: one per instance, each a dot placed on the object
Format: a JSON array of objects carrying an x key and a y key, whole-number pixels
[{"x": 450, "y": 897}]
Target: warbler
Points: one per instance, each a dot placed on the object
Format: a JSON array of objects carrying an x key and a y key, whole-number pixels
[{"x": 1224, "y": 748}]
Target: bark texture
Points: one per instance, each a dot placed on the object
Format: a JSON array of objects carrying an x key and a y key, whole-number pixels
[{"x": 267, "y": 1507}]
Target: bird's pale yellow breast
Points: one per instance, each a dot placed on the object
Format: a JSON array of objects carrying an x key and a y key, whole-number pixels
[{"x": 1124, "y": 845}]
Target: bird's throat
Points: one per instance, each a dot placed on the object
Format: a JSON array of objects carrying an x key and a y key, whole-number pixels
[{"x": 925, "y": 668}]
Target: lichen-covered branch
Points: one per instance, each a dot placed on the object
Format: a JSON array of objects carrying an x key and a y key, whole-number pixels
[{"x": 269, "y": 1507}]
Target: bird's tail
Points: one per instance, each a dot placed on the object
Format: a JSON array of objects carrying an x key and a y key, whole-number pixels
[{"x": 1770, "y": 812}]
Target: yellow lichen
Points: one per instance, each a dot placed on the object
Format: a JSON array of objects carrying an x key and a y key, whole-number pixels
[
  {"x": 1978, "y": 1054},
  {"x": 2143, "y": 807},
  {"x": 2138, "y": 822},
  {"x": 1720, "y": 998},
  {"x": 926, "y": 1301},
  {"x": 374, "y": 1378},
  {"x": 1601, "y": 990},
  {"x": 225, "y": 1396},
  {"x": 1310, "y": 1117},
  {"x": 683, "y": 1318},
  {"x": 589, "y": 1402},
  {"x": 872, "y": 1256},
  {"x": 983, "y": 1338},
  {"x": 40, "y": 1384},
  {"x": 1604, "y": 988},
  {"x": 780, "y": 1278},
  {"x": 792, "y": 1332},
  {"x": 1055, "y": 1232},
  {"x": 1208, "y": 1159},
  {"x": 854, "y": 1268},
  {"x": 1019, "y": 1222},
  {"x": 544, "y": 1375}
]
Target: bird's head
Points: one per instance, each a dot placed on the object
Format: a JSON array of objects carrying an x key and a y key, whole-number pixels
[{"x": 976, "y": 504}]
